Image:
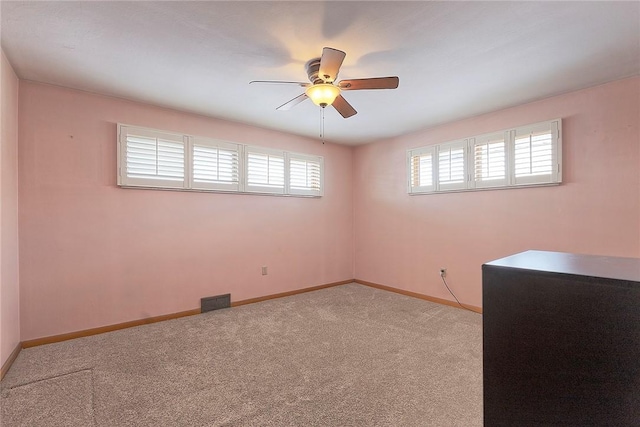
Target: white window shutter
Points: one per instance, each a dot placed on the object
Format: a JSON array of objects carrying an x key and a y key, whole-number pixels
[
  {"x": 215, "y": 165},
  {"x": 452, "y": 174},
  {"x": 488, "y": 156},
  {"x": 157, "y": 159},
  {"x": 524, "y": 156},
  {"x": 305, "y": 174},
  {"x": 265, "y": 170},
  {"x": 536, "y": 154},
  {"x": 420, "y": 165},
  {"x": 151, "y": 159}
]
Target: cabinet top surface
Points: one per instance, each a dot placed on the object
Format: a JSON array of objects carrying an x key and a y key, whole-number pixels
[{"x": 566, "y": 263}]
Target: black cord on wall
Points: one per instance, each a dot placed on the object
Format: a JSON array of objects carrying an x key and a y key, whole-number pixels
[{"x": 452, "y": 294}]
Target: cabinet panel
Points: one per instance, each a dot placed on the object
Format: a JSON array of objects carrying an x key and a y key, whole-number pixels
[{"x": 560, "y": 347}]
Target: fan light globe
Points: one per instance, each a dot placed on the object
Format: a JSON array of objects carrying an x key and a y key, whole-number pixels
[{"x": 323, "y": 94}]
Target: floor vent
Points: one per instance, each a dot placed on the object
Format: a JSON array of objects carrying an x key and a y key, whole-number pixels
[{"x": 215, "y": 303}]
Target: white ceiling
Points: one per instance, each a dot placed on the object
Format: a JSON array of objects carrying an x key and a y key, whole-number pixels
[{"x": 454, "y": 59}]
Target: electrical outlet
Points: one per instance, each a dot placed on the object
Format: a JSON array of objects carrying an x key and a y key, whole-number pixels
[
  {"x": 443, "y": 272},
  {"x": 264, "y": 271}
]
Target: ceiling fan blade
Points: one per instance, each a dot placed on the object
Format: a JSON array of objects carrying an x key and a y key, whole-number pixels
[
  {"x": 372, "y": 83},
  {"x": 343, "y": 107},
  {"x": 303, "y": 84},
  {"x": 330, "y": 63},
  {"x": 292, "y": 103}
]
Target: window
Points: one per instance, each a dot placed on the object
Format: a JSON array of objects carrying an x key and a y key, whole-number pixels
[
  {"x": 420, "y": 164},
  {"x": 489, "y": 160},
  {"x": 536, "y": 154},
  {"x": 524, "y": 156},
  {"x": 305, "y": 177},
  {"x": 155, "y": 159},
  {"x": 451, "y": 168},
  {"x": 215, "y": 165},
  {"x": 152, "y": 158},
  {"x": 265, "y": 170}
]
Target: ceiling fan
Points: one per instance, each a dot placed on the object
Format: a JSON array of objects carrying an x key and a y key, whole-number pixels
[{"x": 323, "y": 90}]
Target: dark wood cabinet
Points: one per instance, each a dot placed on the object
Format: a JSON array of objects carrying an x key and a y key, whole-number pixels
[{"x": 561, "y": 337}]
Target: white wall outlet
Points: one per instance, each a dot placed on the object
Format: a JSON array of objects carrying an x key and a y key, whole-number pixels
[{"x": 264, "y": 270}]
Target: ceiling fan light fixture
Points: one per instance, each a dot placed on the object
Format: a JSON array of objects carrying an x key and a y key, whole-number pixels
[
  {"x": 323, "y": 94},
  {"x": 322, "y": 73}
]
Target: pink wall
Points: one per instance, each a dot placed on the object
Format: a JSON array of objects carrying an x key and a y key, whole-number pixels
[
  {"x": 9, "y": 290},
  {"x": 403, "y": 240},
  {"x": 94, "y": 254}
]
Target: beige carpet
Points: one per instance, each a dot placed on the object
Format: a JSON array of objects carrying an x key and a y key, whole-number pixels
[{"x": 344, "y": 356}]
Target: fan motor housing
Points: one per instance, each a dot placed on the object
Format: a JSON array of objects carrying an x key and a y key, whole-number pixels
[{"x": 313, "y": 68}]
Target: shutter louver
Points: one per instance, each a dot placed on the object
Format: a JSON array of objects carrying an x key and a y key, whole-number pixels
[
  {"x": 265, "y": 171},
  {"x": 151, "y": 160},
  {"x": 421, "y": 171},
  {"x": 451, "y": 164},
  {"x": 536, "y": 154},
  {"x": 524, "y": 156},
  {"x": 533, "y": 154},
  {"x": 154, "y": 158},
  {"x": 305, "y": 175},
  {"x": 215, "y": 165},
  {"x": 451, "y": 170},
  {"x": 489, "y": 161}
]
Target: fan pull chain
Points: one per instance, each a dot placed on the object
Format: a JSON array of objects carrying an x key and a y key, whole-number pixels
[{"x": 322, "y": 131}]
